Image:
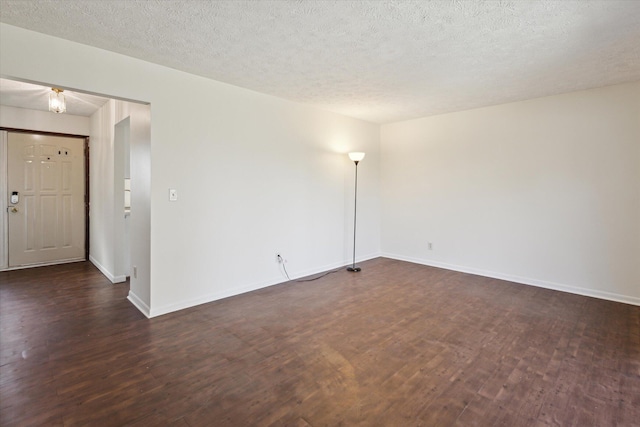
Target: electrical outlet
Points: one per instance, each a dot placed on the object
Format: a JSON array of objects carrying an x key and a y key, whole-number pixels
[
  {"x": 135, "y": 272},
  {"x": 430, "y": 246}
]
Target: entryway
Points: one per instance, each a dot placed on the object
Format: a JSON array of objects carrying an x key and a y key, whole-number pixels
[{"x": 47, "y": 220}]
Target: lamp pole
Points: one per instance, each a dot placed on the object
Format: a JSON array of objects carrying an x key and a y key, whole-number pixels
[{"x": 356, "y": 157}]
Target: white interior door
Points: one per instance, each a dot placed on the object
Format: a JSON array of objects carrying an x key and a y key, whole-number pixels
[{"x": 46, "y": 210}]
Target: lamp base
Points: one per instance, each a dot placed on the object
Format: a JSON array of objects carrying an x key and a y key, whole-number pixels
[{"x": 353, "y": 269}]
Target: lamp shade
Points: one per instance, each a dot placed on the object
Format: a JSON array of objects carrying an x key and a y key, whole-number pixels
[
  {"x": 57, "y": 103},
  {"x": 356, "y": 156}
]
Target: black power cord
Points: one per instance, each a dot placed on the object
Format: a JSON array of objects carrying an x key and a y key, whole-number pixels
[{"x": 284, "y": 268}]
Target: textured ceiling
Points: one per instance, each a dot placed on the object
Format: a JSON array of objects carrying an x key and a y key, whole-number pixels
[
  {"x": 35, "y": 97},
  {"x": 381, "y": 61}
]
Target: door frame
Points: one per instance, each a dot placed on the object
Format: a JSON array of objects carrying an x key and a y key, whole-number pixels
[{"x": 4, "y": 194}]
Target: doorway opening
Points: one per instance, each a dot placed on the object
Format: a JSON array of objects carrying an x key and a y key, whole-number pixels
[{"x": 117, "y": 163}]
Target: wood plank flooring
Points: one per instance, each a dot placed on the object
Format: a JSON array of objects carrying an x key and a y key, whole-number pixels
[{"x": 395, "y": 345}]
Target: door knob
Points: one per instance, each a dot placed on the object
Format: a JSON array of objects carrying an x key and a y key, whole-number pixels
[{"x": 13, "y": 209}]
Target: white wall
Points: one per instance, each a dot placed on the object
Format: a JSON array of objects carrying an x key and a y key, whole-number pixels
[
  {"x": 255, "y": 174},
  {"x": 22, "y": 118},
  {"x": 136, "y": 229},
  {"x": 544, "y": 192},
  {"x": 122, "y": 130},
  {"x": 116, "y": 240},
  {"x": 101, "y": 170}
]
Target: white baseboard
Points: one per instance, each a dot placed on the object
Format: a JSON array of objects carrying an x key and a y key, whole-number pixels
[
  {"x": 169, "y": 308},
  {"x": 138, "y": 303},
  {"x": 305, "y": 273},
  {"x": 181, "y": 305},
  {"x": 522, "y": 280},
  {"x": 107, "y": 273}
]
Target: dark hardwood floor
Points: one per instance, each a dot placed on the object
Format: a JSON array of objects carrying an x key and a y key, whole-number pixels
[{"x": 395, "y": 345}]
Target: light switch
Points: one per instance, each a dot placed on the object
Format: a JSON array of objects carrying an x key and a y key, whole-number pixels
[{"x": 173, "y": 194}]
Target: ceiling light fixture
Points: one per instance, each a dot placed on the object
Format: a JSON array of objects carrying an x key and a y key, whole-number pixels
[{"x": 56, "y": 101}]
